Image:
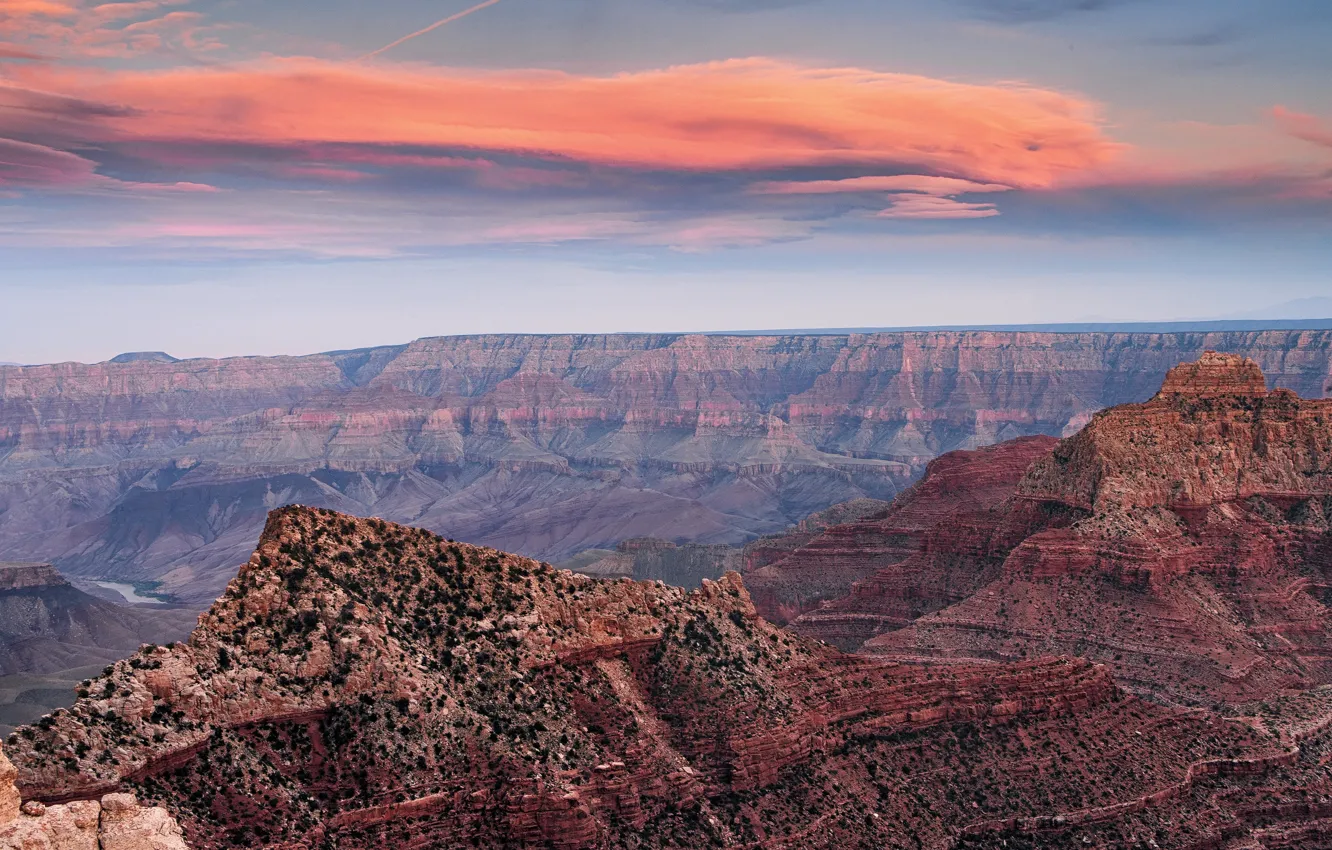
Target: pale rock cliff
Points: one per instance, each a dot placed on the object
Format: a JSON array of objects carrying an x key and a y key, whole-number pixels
[{"x": 116, "y": 822}]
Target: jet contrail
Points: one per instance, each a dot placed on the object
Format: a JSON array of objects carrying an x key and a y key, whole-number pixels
[{"x": 436, "y": 25}]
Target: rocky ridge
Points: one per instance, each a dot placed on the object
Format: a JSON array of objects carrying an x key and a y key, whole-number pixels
[
  {"x": 152, "y": 469},
  {"x": 362, "y": 684},
  {"x": 796, "y": 575},
  {"x": 1184, "y": 542}
]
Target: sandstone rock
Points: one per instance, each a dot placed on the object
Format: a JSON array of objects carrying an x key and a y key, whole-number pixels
[
  {"x": 871, "y": 557},
  {"x": 116, "y": 822},
  {"x": 469, "y": 697},
  {"x": 9, "y": 795},
  {"x": 1181, "y": 541},
  {"x": 125, "y": 825}
]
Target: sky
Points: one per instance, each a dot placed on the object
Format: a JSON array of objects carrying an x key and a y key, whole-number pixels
[{"x": 228, "y": 177}]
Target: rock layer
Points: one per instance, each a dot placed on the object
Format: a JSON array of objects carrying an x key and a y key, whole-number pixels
[
  {"x": 153, "y": 469},
  {"x": 362, "y": 684},
  {"x": 888, "y": 546},
  {"x": 1184, "y": 542}
]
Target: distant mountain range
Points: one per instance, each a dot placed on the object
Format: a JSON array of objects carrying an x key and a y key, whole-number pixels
[
  {"x": 153, "y": 470},
  {"x": 1200, "y": 326}
]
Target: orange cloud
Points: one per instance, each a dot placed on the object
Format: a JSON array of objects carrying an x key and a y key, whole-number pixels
[
  {"x": 31, "y": 8},
  {"x": 733, "y": 115},
  {"x": 89, "y": 30}
]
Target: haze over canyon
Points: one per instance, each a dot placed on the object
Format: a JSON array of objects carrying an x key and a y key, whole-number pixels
[{"x": 151, "y": 470}]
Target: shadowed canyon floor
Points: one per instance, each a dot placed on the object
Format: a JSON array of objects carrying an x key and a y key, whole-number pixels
[{"x": 151, "y": 469}]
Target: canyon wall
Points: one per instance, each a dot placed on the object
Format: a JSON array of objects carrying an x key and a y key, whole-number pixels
[
  {"x": 1185, "y": 542},
  {"x": 366, "y": 685},
  {"x": 547, "y": 445}
]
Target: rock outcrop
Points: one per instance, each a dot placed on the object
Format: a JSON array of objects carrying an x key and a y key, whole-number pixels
[
  {"x": 362, "y": 684},
  {"x": 115, "y": 822},
  {"x": 818, "y": 568},
  {"x": 149, "y": 469},
  {"x": 1184, "y": 542}
]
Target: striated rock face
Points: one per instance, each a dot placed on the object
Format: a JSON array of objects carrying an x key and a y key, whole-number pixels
[
  {"x": 549, "y": 445},
  {"x": 1184, "y": 542},
  {"x": 29, "y": 576},
  {"x": 116, "y": 822},
  {"x": 842, "y": 558},
  {"x": 362, "y": 685},
  {"x": 1212, "y": 436}
]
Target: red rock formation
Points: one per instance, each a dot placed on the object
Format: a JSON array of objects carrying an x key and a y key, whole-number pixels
[
  {"x": 832, "y": 564},
  {"x": 548, "y": 445},
  {"x": 367, "y": 685},
  {"x": 116, "y": 822},
  {"x": 1183, "y": 542}
]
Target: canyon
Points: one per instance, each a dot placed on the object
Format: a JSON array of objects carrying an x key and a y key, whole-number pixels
[
  {"x": 53, "y": 634},
  {"x": 1183, "y": 542},
  {"x": 1117, "y": 639},
  {"x": 363, "y": 684},
  {"x": 156, "y": 470}
]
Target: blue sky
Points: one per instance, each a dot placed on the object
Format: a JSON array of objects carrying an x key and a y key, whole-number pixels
[{"x": 230, "y": 177}]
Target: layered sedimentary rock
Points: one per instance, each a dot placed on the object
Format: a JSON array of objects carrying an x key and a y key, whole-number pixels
[
  {"x": 1184, "y": 542},
  {"x": 828, "y": 565},
  {"x": 361, "y": 684},
  {"x": 153, "y": 469}
]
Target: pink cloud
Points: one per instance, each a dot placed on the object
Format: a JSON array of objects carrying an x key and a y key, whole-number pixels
[
  {"x": 10, "y": 51},
  {"x": 25, "y": 165},
  {"x": 935, "y": 207},
  {"x": 83, "y": 30},
  {"x": 1303, "y": 126},
  {"x": 734, "y": 115}
]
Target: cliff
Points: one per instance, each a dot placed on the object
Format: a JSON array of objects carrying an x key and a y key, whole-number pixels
[
  {"x": 1183, "y": 542},
  {"x": 548, "y": 445},
  {"x": 362, "y": 684},
  {"x": 817, "y": 568}
]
